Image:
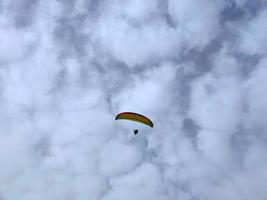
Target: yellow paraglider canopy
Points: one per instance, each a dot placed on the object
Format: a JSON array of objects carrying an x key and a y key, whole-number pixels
[{"x": 135, "y": 117}]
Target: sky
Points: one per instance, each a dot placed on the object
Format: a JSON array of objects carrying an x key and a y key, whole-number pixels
[{"x": 196, "y": 68}]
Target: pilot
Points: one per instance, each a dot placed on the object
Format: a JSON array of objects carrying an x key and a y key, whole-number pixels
[{"x": 135, "y": 131}]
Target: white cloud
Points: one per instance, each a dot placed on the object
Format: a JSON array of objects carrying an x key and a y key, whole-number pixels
[
  {"x": 114, "y": 163},
  {"x": 256, "y": 98},
  {"x": 143, "y": 183},
  {"x": 253, "y": 38},
  {"x": 17, "y": 48},
  {"x": 197, "y": 21},
  {"x": 135, "y": 46},
  {"x": 68, "y": 67}
]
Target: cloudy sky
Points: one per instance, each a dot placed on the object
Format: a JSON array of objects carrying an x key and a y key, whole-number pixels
[{"x": 197, "y": 68}]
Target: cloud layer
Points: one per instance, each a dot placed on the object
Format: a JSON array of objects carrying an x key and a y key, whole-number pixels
[{"x": 197, "y": 68}]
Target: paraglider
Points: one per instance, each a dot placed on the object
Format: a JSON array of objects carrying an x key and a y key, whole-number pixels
[{"x": 135, "y": 117}]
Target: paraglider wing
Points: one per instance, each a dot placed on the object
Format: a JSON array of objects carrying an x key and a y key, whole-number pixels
[{"x": 135, "y": 117}]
